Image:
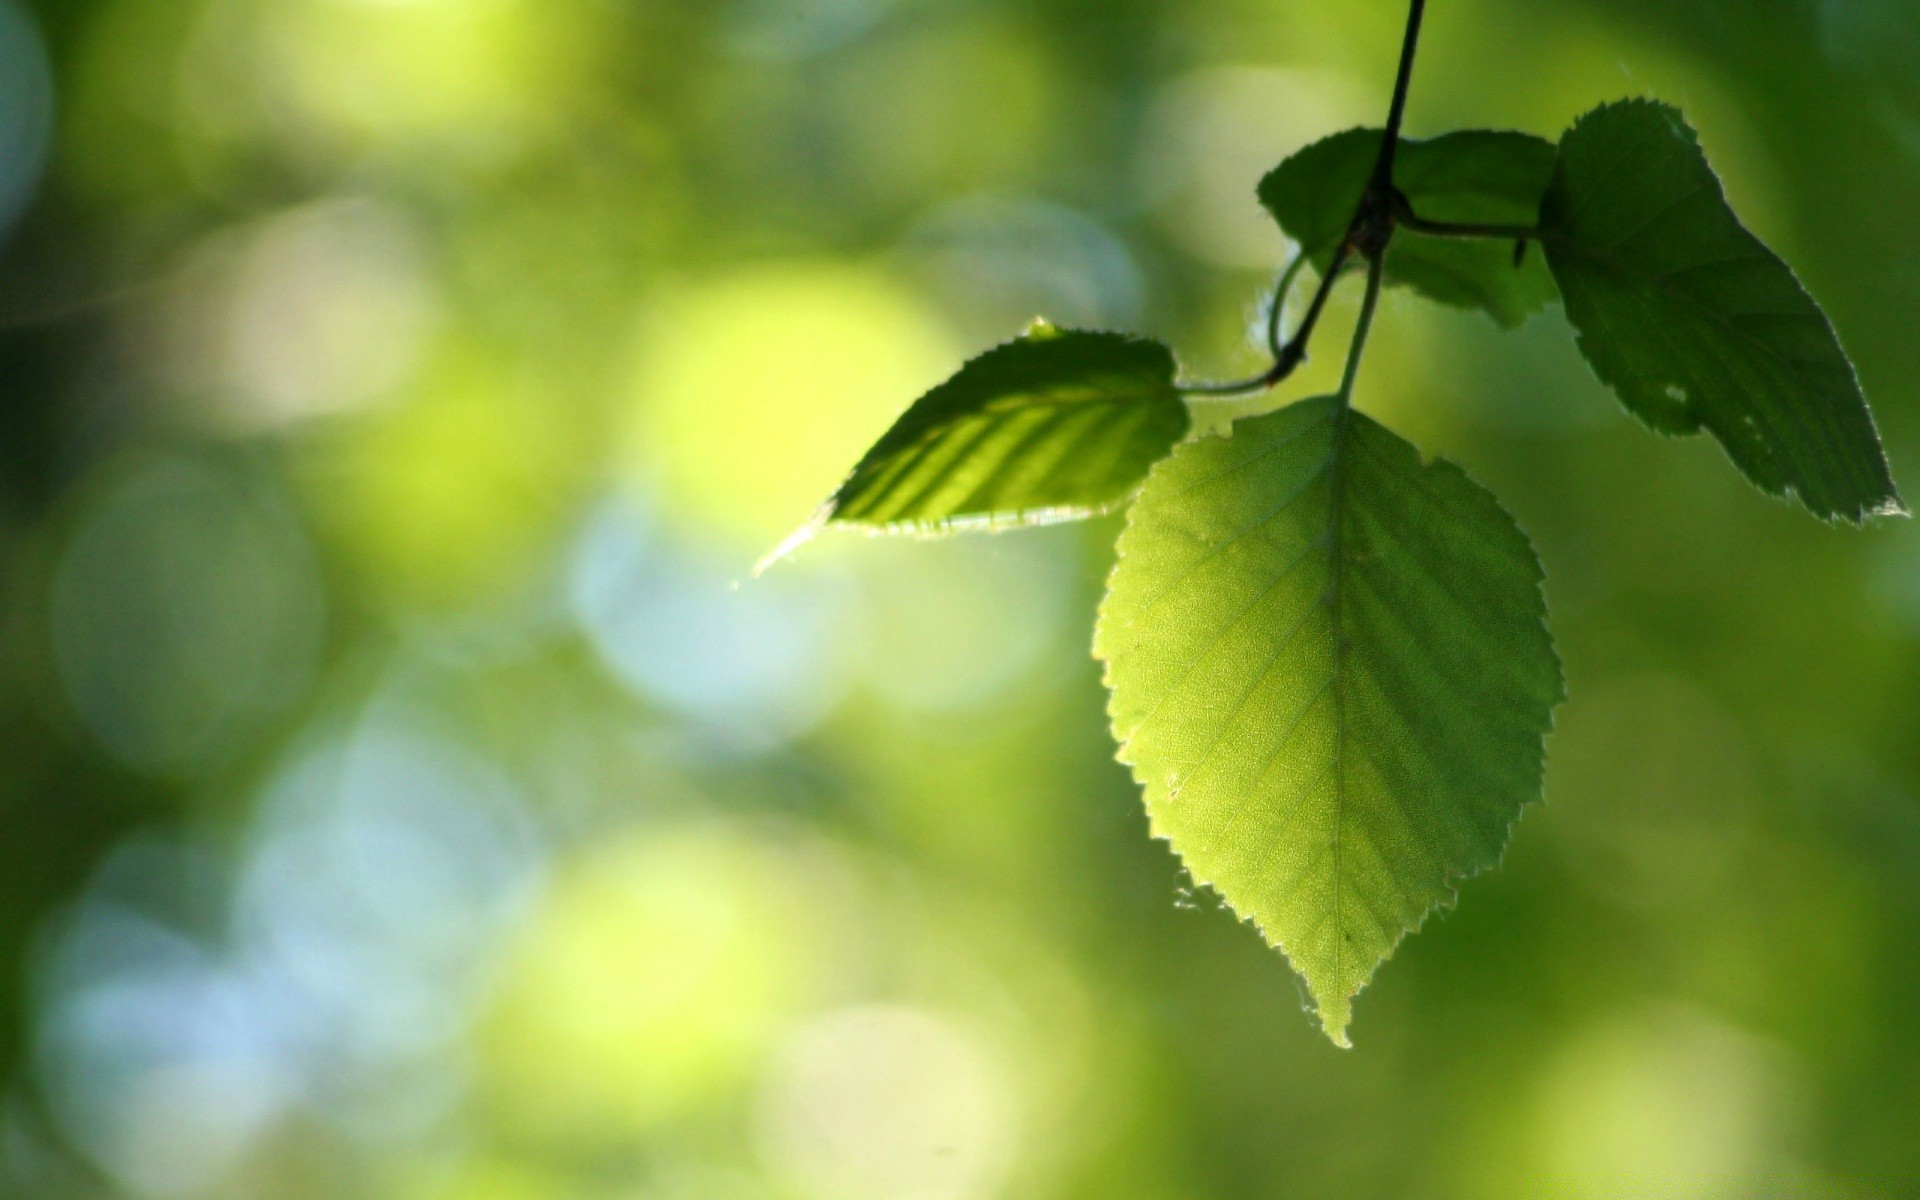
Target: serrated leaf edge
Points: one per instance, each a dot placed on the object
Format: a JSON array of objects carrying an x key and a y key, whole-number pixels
[
  {"x": 1893, "y": 506},
  {"x": 1453, "y": 880},
  {"x": 1039, "y": 330}
]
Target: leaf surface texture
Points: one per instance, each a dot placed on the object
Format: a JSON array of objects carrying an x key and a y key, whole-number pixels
[
  {"x": 1051, "y": 426},
  {"x": 1695, "y": 323},
  {"x": 1331, "y": 671}
]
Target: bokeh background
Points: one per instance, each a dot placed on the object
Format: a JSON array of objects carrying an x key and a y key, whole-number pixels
[{"x": 407, "y": 792}]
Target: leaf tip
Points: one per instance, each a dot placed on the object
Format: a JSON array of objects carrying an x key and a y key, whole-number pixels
[
  {"x": 795, "y": 540},
  {"x": 1892, "y": 506},
  {"x": 1336, "y": 1014}
]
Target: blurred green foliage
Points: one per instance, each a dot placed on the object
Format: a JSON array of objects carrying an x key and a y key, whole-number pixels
[{"x": 407, "y": 794}]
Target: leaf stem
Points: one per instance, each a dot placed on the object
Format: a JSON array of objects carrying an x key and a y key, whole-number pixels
[
  {"x": 1277, "y": 310},
  {"x": 1237, "y": 387},
  {"x": 1289, "y": 355},
  {"x": 1381, "y": 205},
  {"x": 1406, "y": 218},
  {"x": 1381, "y": 208},
  {"x": 1295, "y": 351},
  {"x": 1375, "y": 270}
]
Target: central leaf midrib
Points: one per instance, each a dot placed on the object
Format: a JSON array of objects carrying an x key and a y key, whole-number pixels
[{"x": 1336, "y": 547}]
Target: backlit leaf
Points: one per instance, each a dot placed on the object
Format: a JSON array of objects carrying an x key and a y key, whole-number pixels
[
  {"x": 1331, "y": 671},
  {"x": 1482, "y": 176},
  {"x": 1695, "y": 323},
  {"x": 1055, "y": 425}
]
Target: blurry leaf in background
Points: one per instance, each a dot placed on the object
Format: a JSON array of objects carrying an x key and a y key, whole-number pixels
[
  {"x": 1053, "y": 426},
  {"x": 198, "y": 1005},
  {"x": 1671, "y": 839},
  {"x": 26, "y": 110},
  {"x": 482, "y": 74},
  {"x": 757, "y": 387},
  {"x": 498, "y": 1177},
  {"x": 319, "y": 310},
  {"x": 186, "y": 609},
  {"x": 122, "y": 98},
  {"x": 953, "y": 733},
  {"x": 1332, "y": 673},
  {"x": 1897, "y": 578},
  {"x": 1878, "y": 39},
  {"x": 752, "y": 666},
  {"x": 950, "y": 624},
  {"x": 915, "y": 115},
  {"x": 775, "y": 30},
  {"x": 1529, "y": 380},
  {"x": 1662, "y": 813},
  {"x": 654, "y": 977},
  {"x": 1696, "y": 324},
  {"x": 996, "y": 261},
  {"x": 876, "y": 1102},
  {"x": 1482, "y": 176},
  {"x": 154, "y": 1063},
  {"x": 452, "y": 493},
  {"x": 385, "y": 866},
  {"x": 1669, "y": 1094},
  {"x": 1211, "y": 135}
]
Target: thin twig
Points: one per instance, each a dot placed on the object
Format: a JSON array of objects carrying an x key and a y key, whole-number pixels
[{"x": 1397, "y": 111}]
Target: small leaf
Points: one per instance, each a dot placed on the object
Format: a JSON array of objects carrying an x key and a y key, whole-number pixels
[
  {"x": 1052, "y": 426},
  {"x": 1695, "y": 323},
  {"x": 1483, "y": 176},
  {"x": 1331, "y": 671}
]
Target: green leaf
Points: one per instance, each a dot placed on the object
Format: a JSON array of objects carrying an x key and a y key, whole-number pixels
[
  {"x": 1052, "y": 426},
  {"x": 1331, "y": 671},
  {"x": 1695, "y": 323},
  {"x": 1483, "y": 176}
]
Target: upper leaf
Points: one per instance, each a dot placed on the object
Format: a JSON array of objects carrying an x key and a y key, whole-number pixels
[
  {"x": 1054, "y": 425},
  {"x": 1695, "y": 323},
  {"x": 1482, "y": 176},
  {"x": 1331, "y": 671}
]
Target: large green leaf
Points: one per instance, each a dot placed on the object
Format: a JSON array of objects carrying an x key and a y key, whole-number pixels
[
  {"x": 1055, "y": 425},
  {"x": 1695, "y": 323},
  {"x": 1482, "y": 176},
  {"x": 1330, "y": 669}
]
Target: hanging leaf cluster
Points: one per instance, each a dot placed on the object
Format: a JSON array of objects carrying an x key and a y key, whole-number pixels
[{"x": 1328, "y": 657}]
